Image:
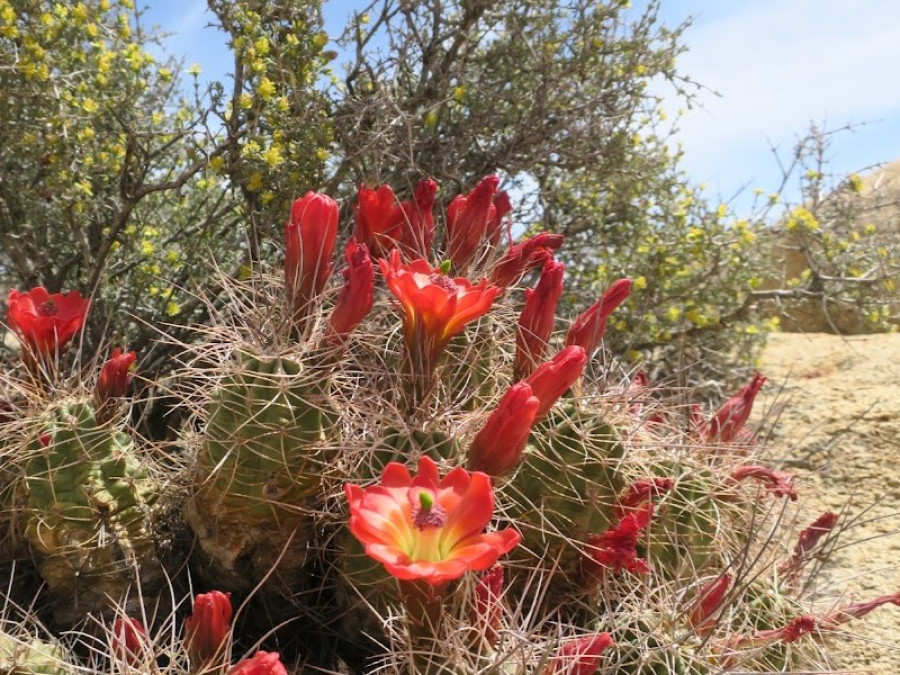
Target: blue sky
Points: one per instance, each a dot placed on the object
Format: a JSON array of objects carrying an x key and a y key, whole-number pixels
[{"x": 772, "y": 67}]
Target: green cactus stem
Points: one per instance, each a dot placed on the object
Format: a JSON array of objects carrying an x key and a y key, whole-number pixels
[
  {"x": 88, "y": 517},
  {"x": 268, "y": 443}
]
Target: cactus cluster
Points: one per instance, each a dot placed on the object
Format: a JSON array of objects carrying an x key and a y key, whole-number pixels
[{"x": 412, "y": 473}]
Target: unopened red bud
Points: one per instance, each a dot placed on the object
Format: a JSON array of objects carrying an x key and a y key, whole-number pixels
[
  {"x": 487, "y": 608},
  {"x": 778, "y": 483},
  {"x": 524, "y": 257},
  {"x": 726, "y": 424},
  {"x": 709, "y": 600},
  {"x": 553, "y": 378},
  {"x": 357, "y": 293},
  {"x": 589, "y": 327},
  {"x": 579, "y": 656},
  {"x": 207, "y": 629},
  {"x": 128, "y": 639},
  {"x": 467, "y": 221},
  {"x": 497, "y": 448},
  {"x": 538, "y": 318},
  {"x": 115, "y": 375},
  {"x": 261, "y": 663}
]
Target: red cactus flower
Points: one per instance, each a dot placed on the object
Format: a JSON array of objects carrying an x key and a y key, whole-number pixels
[
  {"x": 616, "y": 548},
  {"x": 417, "y": 220},
  {"x": 580, "y": 656},
  {"x": 857, "y": 610},
  {"x": 523, "y": 257},
  {"x": 640, "y": 492},
  {"x": 588, "y": 328},
  {"x": 497, "y": 448},
  {"x": 728, "y": 422},
  {"x": 708, "y": 601},
  {"x": 206, "y": 630},
  {"x": 261, "y": 663},
  {"x": 806, "y": 542},
  {"x": 383, "y": 223},
  {"x": 537, "y": 318},
  {"x": 128, "y": 639},
  {"x": 309, "y": 245},
  {"x": 553, "y": 378},
  {"x": 467, "y": 221},
  {"x": 357, "y": 293},
  {"x": 377, "y": 223},
  {"x": 115, "y": 375},
  {"x": 793, "y": 631},
  {"x": 487, "y": 608},
  {"x": 428, "y": 528},
  {"x": 502, "y": 207},
  {"x": 46, "y": 322},
  {"x": 778, "y": 483},
  {"x": 435, "y": 307}
]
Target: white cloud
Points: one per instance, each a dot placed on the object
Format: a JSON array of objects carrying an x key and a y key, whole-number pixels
[{"x": 779, "y": 64}]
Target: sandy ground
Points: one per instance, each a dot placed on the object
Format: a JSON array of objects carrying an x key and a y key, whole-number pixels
[{"x": 833, "y": 407}]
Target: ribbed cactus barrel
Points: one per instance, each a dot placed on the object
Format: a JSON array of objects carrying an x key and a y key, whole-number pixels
[
  {"x": 265, "y": 452},
  {"x": 88, "y": 516},
  {"x": 28, "y": 655}
]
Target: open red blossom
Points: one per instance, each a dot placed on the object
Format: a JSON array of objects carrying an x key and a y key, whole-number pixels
[
  {"x": 261, "y": 663},
  {"x": 640, "y": 492},
  {"x": 524, "y": 257},
  {"x": 487, "y": 608},
  {"x": 806, "y": 542},
  {"x": 128, "y": 639},
  {"x": 46, "y": 322},
  {"x": 778, "y": 483},
  {"x": 115, "y": 375},
  {"x": 206, "y": 630},
  {"x": 857, "y": 610},
  {"x": 357, "y": 293},
  {"x": 309, "y": 246},
  {"x": 616, "y": 548},
  {"x": 467, "y": 221},
  {"x": 553, "y": 378},
  {"x": 726, "y": 425},
  {"x": 579, "y": 656},
  {"x": 435, "y": 307},
  {"x": 708, "y": 601},
  {"x": 588, "y": 328},
  {"x": 538, "y": 318},
  {"x": 427, "y": 527},
  {"x": 497, "y": 448}
]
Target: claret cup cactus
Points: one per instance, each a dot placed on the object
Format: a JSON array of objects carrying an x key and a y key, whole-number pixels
[{"x": 401, "y": 460}]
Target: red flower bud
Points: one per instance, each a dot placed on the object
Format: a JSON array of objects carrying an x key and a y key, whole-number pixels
[
  {"x": 377, "y": 221},
  {"x": 857, "y": 610},
  {"x": 309, "y": 245},
  {"x": 580, "y": 656},
  {"x": 502, "y": 206},
  {"x": 115, "y": 375},
  {"x": 806, "y": 542},
  {"x": 640, "y": 492},
  {"x": 588, "y": 328},
  {"x": 261, "y": 663},
  {"x": 525, "y": 256},
  {"x": 467, "y": 221},
  {"x": 778, "y": 483},
  {"x": 417, "y": 220},
  {"x": 358, "y": 291},
  {"x": 537, "y": 318},
  {"x": 616, "y": 548},
  {"x": 497, "y": 448},
  {"x": 206, "y": 630},
  {"x": 726, "y": 424},
  {"x": 487, "y": 609},
  {"x": 553, "y": 378},
  {"x": 709, "y": 600},
  {"x": 128, "y": 639},
  {"x": 46, "y": 322}
]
